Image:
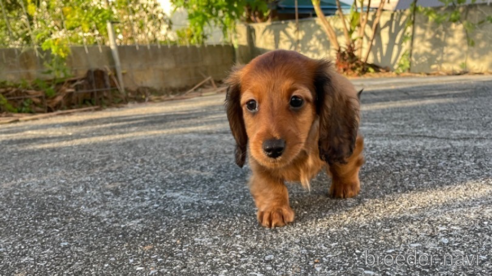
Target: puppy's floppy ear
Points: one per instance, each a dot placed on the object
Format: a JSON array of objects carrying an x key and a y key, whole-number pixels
[
  {"x": 235, "y": 115},
  {"x": 337, "y": 106}
]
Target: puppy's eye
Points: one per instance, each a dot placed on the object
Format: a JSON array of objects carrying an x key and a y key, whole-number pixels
[
  {"x": 296, "y": 102},
  {"x": 252, "y": 105}
]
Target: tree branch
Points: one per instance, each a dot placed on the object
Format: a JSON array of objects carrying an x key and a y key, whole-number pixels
[
  {"x": 326, "y": 25},
  {"x": 375, "y": 25},
  {"x": 363, "y": 23},
  {"x": 344, "y": 23}
]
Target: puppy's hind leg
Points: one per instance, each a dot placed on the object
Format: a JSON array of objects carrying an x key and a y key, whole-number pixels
[
  {"x": 272, "y": 200},
  {"x": 345, "y": 177}
]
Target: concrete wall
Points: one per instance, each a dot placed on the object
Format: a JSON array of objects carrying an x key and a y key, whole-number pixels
[
  {"x": 314, "y": 43},
  {"x": 435, "y": 47},
  {"x": 444, "y": 47},
  {"x": 159, "y": 68}
]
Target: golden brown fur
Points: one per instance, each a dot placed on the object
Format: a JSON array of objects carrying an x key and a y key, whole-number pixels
[{"x": 322, "y": 133}]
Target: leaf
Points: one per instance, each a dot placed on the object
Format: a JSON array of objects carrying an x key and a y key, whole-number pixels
[
  {"x": 31, "y": 9},
  {"x": 455, "y": 16},
  {"x": 407, "y": 37},
  {"x": 468, "y": 26}
]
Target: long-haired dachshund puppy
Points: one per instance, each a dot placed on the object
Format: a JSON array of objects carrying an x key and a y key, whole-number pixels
[{"x": 297, "y": 116}]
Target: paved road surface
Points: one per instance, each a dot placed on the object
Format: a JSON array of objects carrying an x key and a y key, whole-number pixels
[{"x": 153, "y": 189}]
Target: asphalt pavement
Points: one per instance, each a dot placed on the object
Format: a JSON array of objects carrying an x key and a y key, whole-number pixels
[{"x": 152, "y": 189}]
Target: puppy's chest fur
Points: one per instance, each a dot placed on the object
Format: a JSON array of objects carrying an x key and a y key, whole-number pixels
[{"x": 303, "y": 169}]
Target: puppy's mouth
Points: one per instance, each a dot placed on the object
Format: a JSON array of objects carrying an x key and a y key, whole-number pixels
[{"x": 274, "y": 163}]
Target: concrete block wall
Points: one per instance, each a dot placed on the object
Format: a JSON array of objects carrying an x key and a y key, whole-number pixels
[{"x": 159, "y": 68}]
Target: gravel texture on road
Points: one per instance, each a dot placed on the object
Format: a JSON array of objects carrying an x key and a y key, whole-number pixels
[{"x": 153, "y": 189}]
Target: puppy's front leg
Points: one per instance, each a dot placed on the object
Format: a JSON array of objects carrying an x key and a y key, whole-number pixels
[
  {"x": 346, "y": 182},
  {"x": 272, "y": 200}
]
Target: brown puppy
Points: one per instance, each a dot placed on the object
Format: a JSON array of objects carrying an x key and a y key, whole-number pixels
[{"x": 297, "y": 116}]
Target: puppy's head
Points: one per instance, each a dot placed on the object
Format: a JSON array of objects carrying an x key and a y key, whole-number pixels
[{"x": 274, "y": 102}]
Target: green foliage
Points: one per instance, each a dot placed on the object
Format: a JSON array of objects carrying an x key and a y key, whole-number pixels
[
  {"x": 25, "y": 106},
  {"x": 407, "y": 37},
  {"x": 221, "y": 13},
  {"x": 5, "y": 106},
  {"x": 403, "y": 63},
  {"x": 354, "y": 20},
  {"x": 139, "y": 21},
  {"x": 24, "y": 84},
  {"x": 187, "y": 36},
  {"x": 42, "y": 85},
  {"x": 55, "y": 25},
  {"x": 463, "y": 66},
  {"x": 4, "y": 83}
]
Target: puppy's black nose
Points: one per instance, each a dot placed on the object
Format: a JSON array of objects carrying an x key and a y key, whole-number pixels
[{"x": 274, "y": 147}]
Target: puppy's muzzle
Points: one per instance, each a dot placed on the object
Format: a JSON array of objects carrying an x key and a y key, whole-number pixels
[{"x": 274, "y": 148}]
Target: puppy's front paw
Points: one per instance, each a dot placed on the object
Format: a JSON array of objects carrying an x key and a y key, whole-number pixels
[
  {"x": 277, "y": 216},
  {"x": 340, "y": 189}
]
